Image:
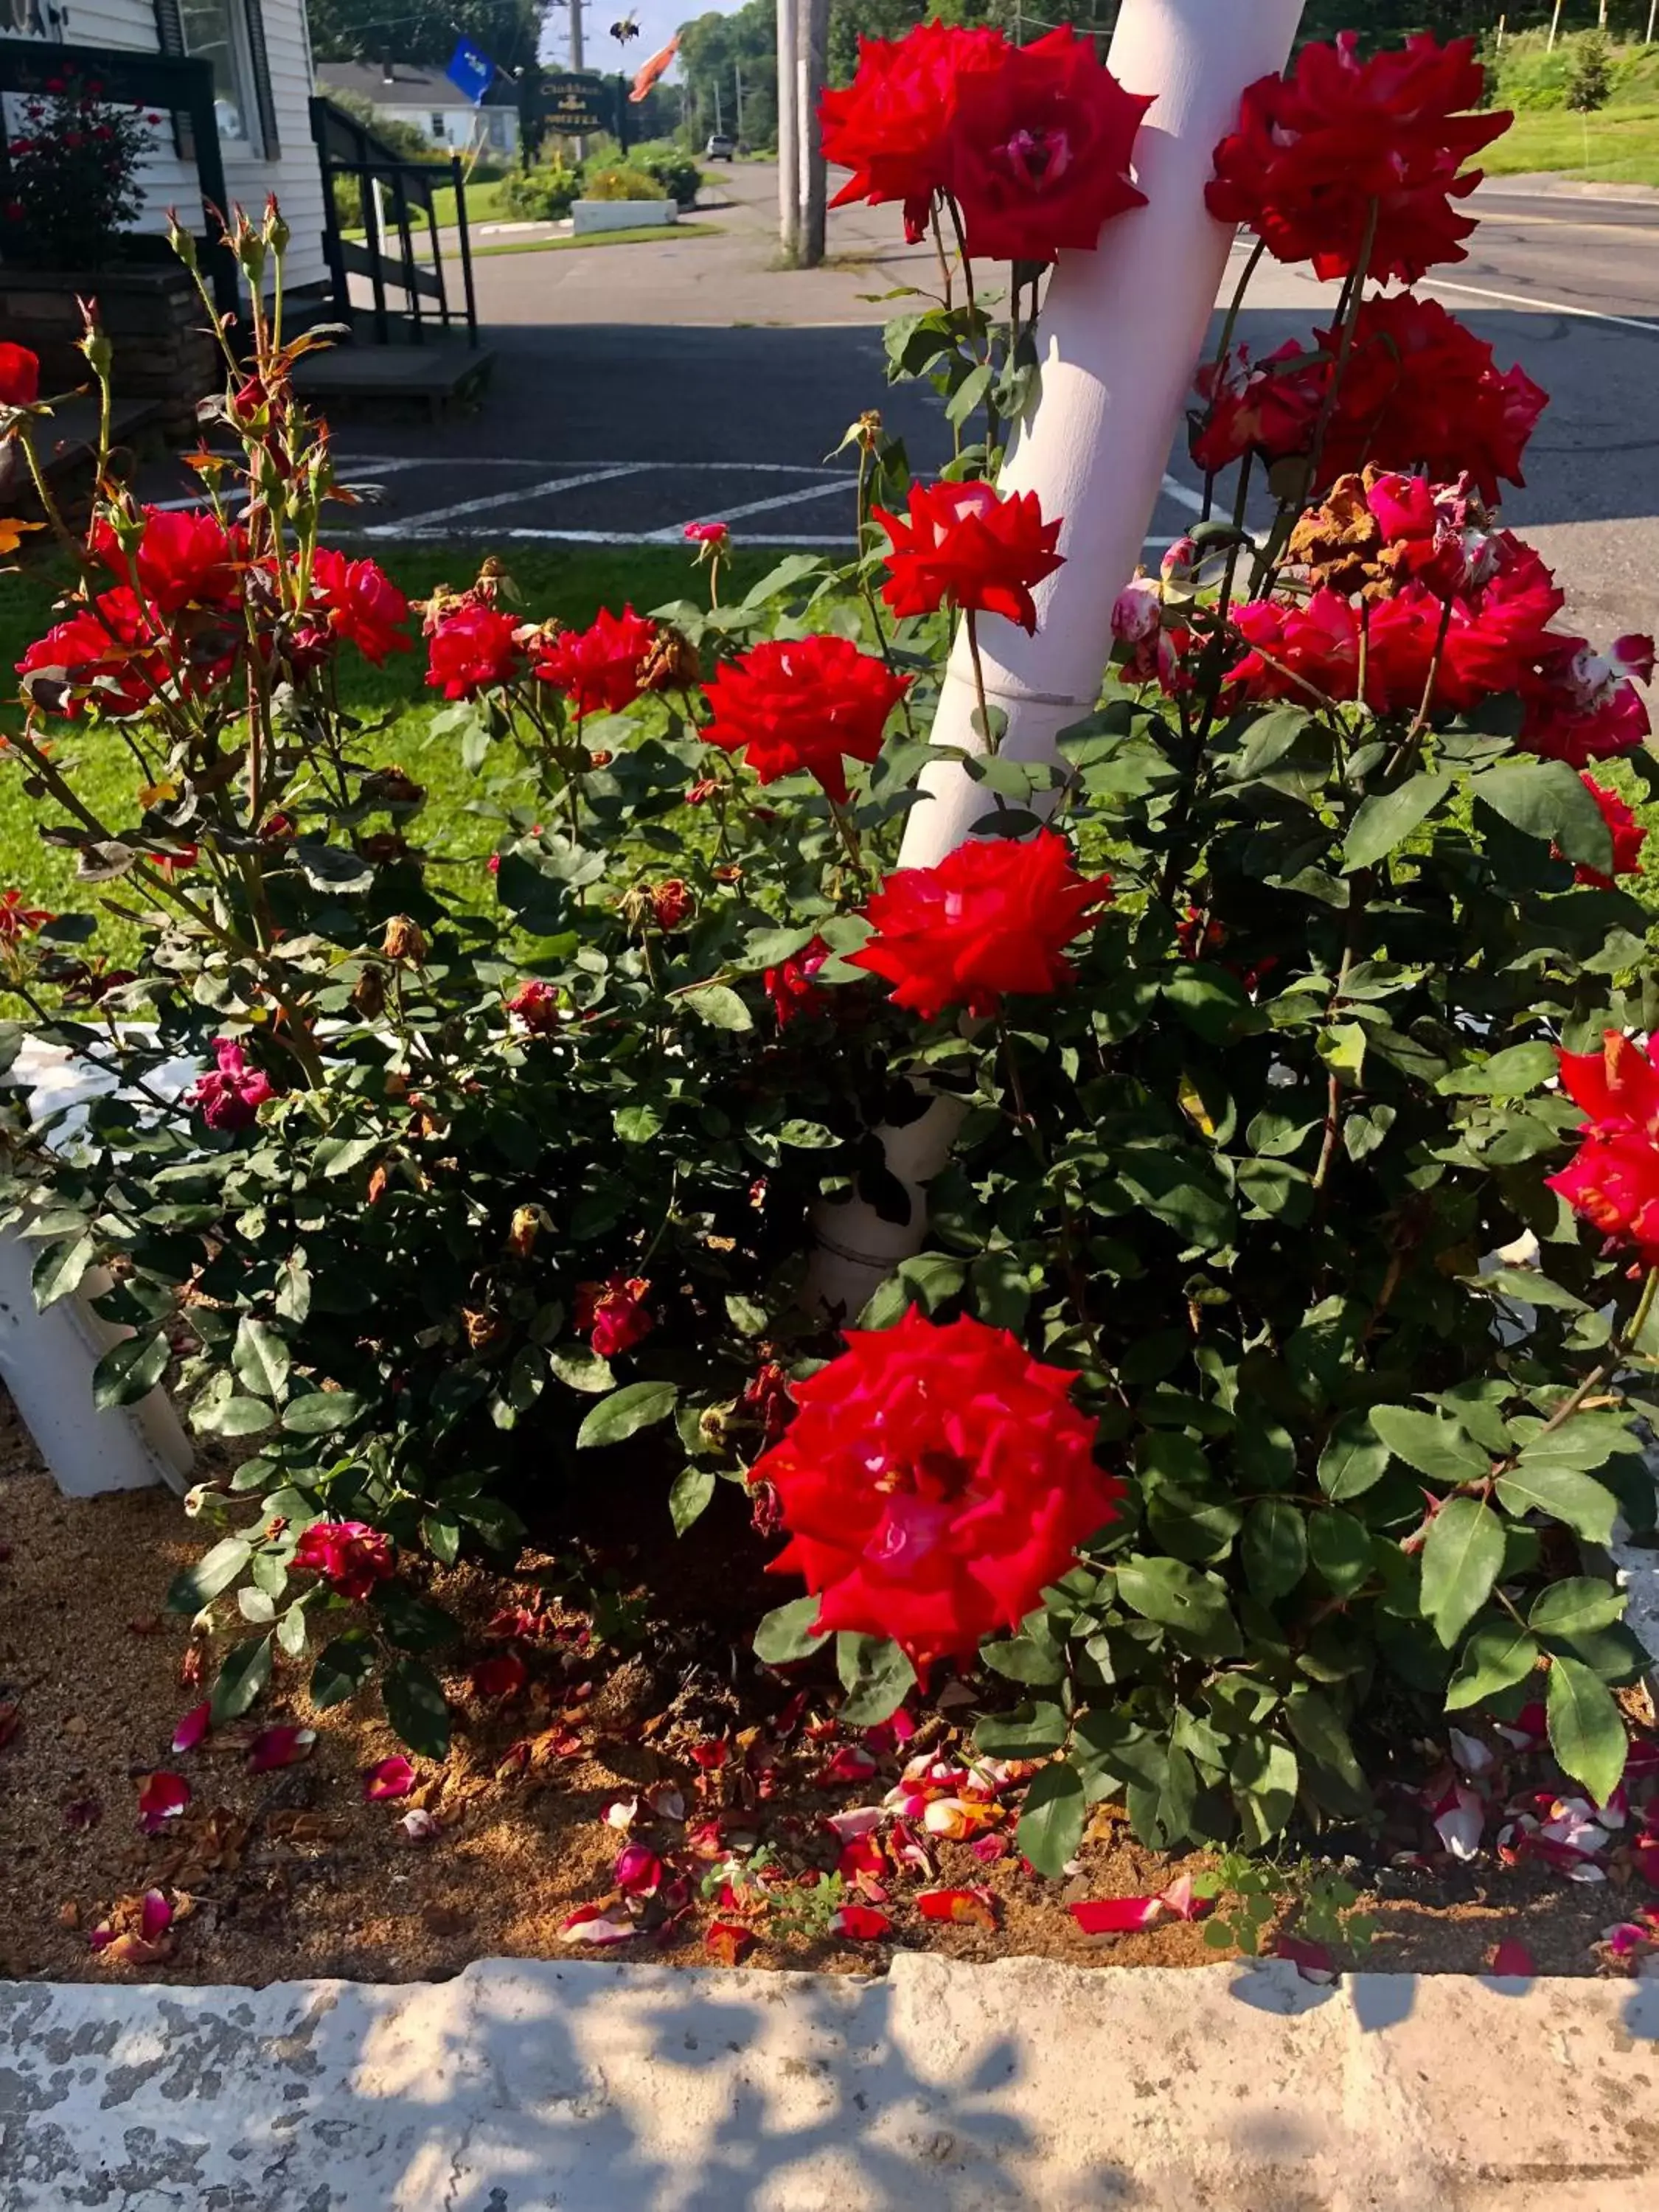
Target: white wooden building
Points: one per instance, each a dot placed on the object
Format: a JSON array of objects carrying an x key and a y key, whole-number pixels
[{"x": 261, "y": 51}]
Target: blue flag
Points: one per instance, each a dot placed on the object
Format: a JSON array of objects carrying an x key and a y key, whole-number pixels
[{"x": 469, "y": 71}]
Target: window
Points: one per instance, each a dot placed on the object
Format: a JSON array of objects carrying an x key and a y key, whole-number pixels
[
  {"x": 211, "y": 34},
  {"x": 439, "y": 130}
]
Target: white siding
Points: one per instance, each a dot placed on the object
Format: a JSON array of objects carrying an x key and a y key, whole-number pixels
[
  {"x": 462, "y": 127},
  {"x": 294, "y": 175}
]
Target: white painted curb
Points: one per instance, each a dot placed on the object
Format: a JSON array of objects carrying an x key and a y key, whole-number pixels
[
  {"x": 589, "y": 215},
  {"x": 522, "y": 2086}
]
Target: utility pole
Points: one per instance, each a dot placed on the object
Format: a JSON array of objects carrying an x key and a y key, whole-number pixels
[
  {"x": 720, "y": 126},
  {"x": 581, "y": 147},
  {"x": 788, "y": 135},
  {"x": 813, "y": 70},
  {"x": 1601, "y": 20},
  {"x": 1555, "y": 25},
  {"x": 736, "y": 72},
  {"x": 1653, "y": 17}
]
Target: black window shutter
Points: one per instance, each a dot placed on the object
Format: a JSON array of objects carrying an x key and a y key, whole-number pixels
[
  {"x": 264, "y": 98},
  {"x": 170, "y": 40}
]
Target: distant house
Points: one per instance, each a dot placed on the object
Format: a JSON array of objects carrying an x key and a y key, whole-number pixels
[
  {"x": 260, "y": 51},
  {"x": 438, "y": 109}
]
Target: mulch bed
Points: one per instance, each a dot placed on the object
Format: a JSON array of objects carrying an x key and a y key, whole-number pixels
[{"x": 290, "y": 1873}]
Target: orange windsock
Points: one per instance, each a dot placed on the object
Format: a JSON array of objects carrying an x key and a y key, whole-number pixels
[{"x": 652, "y": 70}]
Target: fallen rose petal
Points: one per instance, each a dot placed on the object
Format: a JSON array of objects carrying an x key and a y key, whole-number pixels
[
  {"x": 588, "y": 1924},
  {"x": 419, "y": 1826},
  {"x": 729, "y": 1943},
  {"x": 1472, "y": 1757},
  {"x": 987, "y": 1849},
  {"x": 621, "y": 1813},
  {"x": 10, "y": 1719},
  {"x": 154, "y": 1914},
  {"x": 861, "y": 1923},
  {"x": 502, "y": 1677},
  {"x": 134, "y": 1951},
  {"x": 193, "y": 1727},
  {"x": 1117, "y": 1915},
  {"x": 665, "y": 1801},
  {"x": 1626, "y": 1937},
  {"x": 638, "y": 1871},
  {"x": 852, "y": 1763},
  {"x": 1511, "y": 1958},
  {"x": 706, "y": 1839},
  {"x": 393, "y": 1777},
  {"x": 161, "y": 1797},
  {"x": 1311, "y": 1960},
  {"x": 82, "y": 1813},
  {"x": 1460, "y": 1820},
  {"x": 975, "y": 1908},
  {"x": 848, "y": 1826},
  {"x": 280, "y": 1746}
]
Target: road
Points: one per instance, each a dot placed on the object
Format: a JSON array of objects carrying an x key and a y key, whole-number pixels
[{"x": 639, "y": 387}]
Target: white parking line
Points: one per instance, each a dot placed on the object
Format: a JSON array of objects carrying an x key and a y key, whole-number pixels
[
  {"x": 1541, "y": 307},
  {"x": 1183, "y": 495},
  {"x": 422, "y": 523},
  {"x": 678, "y": 530}
]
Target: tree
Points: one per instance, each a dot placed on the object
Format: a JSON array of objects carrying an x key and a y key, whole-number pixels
[
  {"x": 718, "y": 54},
  {"x": 426, "y": 30}
]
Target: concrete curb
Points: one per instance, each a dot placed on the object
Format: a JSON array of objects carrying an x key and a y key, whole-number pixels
[{"x": 525, "y": 2085}]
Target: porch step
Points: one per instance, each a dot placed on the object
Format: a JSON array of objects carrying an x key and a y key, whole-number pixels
[{"x": 438, "y": 372}]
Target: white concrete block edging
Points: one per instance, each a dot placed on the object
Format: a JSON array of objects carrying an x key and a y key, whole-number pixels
[
  {"x": 1021, "y": 2086},
  {"x": 587, "y": 217}
]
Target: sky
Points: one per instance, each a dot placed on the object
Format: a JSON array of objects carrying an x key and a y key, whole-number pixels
[{"x": 658, "y": 20}]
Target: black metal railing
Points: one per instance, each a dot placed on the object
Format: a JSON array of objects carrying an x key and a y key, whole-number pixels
[
  {"x": 179, "y": 87},
  {"x": 396, "y": 200}
]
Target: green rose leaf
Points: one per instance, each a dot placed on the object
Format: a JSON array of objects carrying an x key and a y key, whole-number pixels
[
  {"x": 1274, "y": 1547},
  {"x": 1051, "y": 1825},
  {"x": 636, "y": 1406},
  {"x": 1496, "y": 1656},
  {"x": 1389, "y": 818},
  {"x": 785, "y": 1634},
  {"x": 344, "y": 1666},
  {"x": 1587, "y": 1731},
  {"x": 876, "y": 1676},
  {"x": 1177, "y": 1596},
  {"x": 693, "y": 1488},
  {"x": 1354, "y": 1457},
  {"x": 131, "y": 1370},
  {"x": 261, "y": 1359},
  {"x": 1433, "y": 1445},
  {"x": 194, "y": 1587},
  {"x": 417, "y": 1707},
  {"x": 1461, "y": 1556},
  {"x": 245, "y": 1671}
]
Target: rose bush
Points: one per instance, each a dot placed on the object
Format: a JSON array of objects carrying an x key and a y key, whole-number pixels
[{"x": 1282, "y": 1318}]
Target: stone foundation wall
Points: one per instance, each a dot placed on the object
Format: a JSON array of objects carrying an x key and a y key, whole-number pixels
[{"x": 157, "y": 325}]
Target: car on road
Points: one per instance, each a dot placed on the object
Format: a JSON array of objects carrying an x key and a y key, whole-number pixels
[{"x": 721, "y": 147}]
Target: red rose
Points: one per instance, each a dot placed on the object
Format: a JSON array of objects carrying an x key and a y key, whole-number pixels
[
  {"x": 1420, "y": 391},
  {"x": 713, "y": 536},
  {"x": 536, "y": 1004},
  {"x": 963, "y": 546},
  {"x": 15, "y": 917},
  {"x": 1583, "y": 706},
  {"x": 613, "y": 1314},
  {"x": 994, "y": 917},
  {"x": 111, "y": 654},
  {"x": 1627, "y": 834},
  {"x": 230, "y": 1096},
  {"x": 1613, "y": 1179},
  {"x": 790, "y": 987},
  {"x": 891, "y": 125},
  {"x": 599, "y": 669},
  {"x": 1316, "y": 151},
  {"x": 472, "y": 649},
  {"x": 798, "y": 703},
  {"x": 350, "y": 1556},
  {"x": 20, "y": 375},
  {"x": 184, "y": 558},
  {"x": 672, "y": 904},
  {"x": 1270, "y": 407},
  {"x": 361, "y": 603},
  {"x": 934, "y": 1482},
  {"x": 1038, "y": 155}
]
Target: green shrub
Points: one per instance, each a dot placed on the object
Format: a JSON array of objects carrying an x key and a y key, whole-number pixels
[
  {"x": 543, "y": 194},
  {"x": 622, "y": 183},
  {"x": 673, "y": 169},
  {"x": 1589, "y": 82}
]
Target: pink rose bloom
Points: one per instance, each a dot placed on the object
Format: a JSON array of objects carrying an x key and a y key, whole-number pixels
[{"x": 230, "y": 1096}]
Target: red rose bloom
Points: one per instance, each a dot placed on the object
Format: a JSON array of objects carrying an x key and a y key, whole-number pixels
[
  {"x": 994, "y": 917},
  {"x": 473, "y": 649},
  {"x": 1315, "y": 150},
  {"x": 1420, "y": 391},
  {"x": 1583, "y": 706},
  {"x": 20, "y": 375},
  {"x": 361, "y": 603},
  {"x": 1613, "y": 1179},
  {"x": 1627, "y": 834},
  {"x": 350, "y": 1556},
  {"x": 672, "y": 904},
  {"x": 891, "y": 125},
  {"x": 962, "y": 545},
  {"x": 613, "y": 1314},
  {"x": 110, "y": 656},
  {"x": 1270, "y": 407},
  {"x": 933, "y": 1480},
  {"x": 1038, "y": 153},
  {"x": 230, "y": 1094},
  {"x": 184, "y": 558},
  {"x": 537, "y": 1005},
  {"x": 599, "y": 669},
  {"x": 790, "y": 987},
  {"x": 796, "y": 703}
]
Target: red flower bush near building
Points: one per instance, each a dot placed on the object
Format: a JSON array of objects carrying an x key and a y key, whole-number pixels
[
  {"x": 808, "y": 704},
  {"x": 1613, "y": 1179},
  {"x": 933, "y": 1479},
  {"x": 962, "y": 545},
  {"x": 601, "y": 668}
]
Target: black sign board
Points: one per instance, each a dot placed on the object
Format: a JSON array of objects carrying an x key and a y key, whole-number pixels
[{"x": 577, "y": 104}]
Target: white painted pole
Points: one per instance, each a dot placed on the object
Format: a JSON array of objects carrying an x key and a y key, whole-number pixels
[
  {"x": 1555, "y": 25},
  {"x": 788, "y": 132},
  {"x": 1121, "y": 331}
]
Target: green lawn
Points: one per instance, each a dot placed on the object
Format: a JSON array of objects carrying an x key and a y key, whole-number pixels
[
  {"x": 571, "y": 583},
  {"x": 1614, "y": 145}
]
